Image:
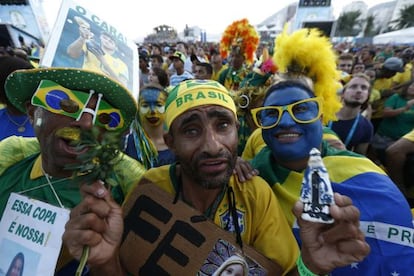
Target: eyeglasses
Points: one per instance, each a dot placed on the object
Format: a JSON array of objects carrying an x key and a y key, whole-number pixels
[
  {"x": 60, "y": 100},
  {"x": 303, "y": 112}
]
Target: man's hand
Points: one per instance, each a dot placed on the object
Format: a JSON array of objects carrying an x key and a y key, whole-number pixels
[
  {"x": 96, "y": 222},
  {"x": 327, "y": 246},
  {"x": 94, "y": 48},
  {"x": 244, "y": 170}
]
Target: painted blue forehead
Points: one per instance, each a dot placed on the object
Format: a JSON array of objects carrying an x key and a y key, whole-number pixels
[
  {"x": 288, "y": 84},
  {"x": 286, "y": 95},
  {"x": 149, "y": 94}
]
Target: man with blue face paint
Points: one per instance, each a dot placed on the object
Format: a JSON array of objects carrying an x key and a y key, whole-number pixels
[
  {"x": 299, "y": 129},
  {"x": 292, "y": 117}
]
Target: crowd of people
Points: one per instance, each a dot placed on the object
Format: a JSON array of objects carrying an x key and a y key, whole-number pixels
[
  {"x": 211, "y": 130},
  {"x": 375, "y": 93}
]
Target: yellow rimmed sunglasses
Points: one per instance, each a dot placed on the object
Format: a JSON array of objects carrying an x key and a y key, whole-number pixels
[
  {"x": 304, "y": 112},
  {"x": 60, "y": 100}
]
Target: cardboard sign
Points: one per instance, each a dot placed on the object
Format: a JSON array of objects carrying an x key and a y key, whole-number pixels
[
  {"x": 83, "y": 39},
  {"x": 33, "y": 230},
  {"x": 166, "y": 238}
]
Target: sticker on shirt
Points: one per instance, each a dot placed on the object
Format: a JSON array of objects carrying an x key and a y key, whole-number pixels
[
  {"x": 31, "y": 235},
  {"x": 226, "y": 220},
  {"x": 226, "y": 259}
]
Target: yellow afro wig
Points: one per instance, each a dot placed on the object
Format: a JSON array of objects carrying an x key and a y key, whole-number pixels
[{"x": 307, "y": 53}]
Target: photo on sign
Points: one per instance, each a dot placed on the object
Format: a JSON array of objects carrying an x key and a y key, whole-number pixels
[
  {"x": 226, "y": 259},
  {"x": 81, "y": 39},
  {"x": 19, "y": 259}
]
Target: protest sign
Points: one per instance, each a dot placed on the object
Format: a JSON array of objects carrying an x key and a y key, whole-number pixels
[
  {"x": 34, "y": 229},
  {"x": 166, "y": 238},
  {"x": 82, "y": 39}
]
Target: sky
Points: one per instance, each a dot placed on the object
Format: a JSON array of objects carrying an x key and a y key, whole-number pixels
[{"x": 136, "y": 19}]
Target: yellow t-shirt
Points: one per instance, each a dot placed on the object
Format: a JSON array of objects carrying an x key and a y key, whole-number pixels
[
  {"x": 254, "y": 145},
  {"x": 403, "y": 77},
  {"x": 382, "y": 83},
  {"x": 215, "y": 76},
  {"x": 378, "y": 105},
  {"x": 262, "y": 221},
  {"x": 91, "y": 62},
  {"x": 375, "y": 95}
]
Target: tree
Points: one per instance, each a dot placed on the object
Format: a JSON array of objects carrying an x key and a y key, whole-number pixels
[
  {"x": 349, "y": 24},
  {"x": 406, "y": 18},
  {"x": 369, "y": 30}
]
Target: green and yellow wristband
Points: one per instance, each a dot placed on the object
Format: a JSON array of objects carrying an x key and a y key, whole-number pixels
[{"x": 302, "y": 269}]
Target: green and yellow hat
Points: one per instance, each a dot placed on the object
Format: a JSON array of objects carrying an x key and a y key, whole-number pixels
[
  {"x": 192, "y": 93},
  {"x": 22, "y": 84}
]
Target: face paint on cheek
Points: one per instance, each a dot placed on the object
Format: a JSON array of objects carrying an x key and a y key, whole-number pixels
[
  {"x": 290, "y": 140},
  {"x": 310, "y": 136},
  {"x": 142, "y": 112}
]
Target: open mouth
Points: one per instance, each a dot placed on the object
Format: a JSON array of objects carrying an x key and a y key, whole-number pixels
[
  {"x": 153, "y": 120},
  {"x": 214, "y": 166},
  {"x": 70, "y": 139},
  {"x": 288, "y": 137}
]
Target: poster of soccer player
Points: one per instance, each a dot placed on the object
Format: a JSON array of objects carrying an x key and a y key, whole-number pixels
[{"x": 82, "y": 39}]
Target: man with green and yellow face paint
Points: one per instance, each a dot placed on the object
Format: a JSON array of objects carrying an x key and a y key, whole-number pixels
[{"x": 61, "y": 103}]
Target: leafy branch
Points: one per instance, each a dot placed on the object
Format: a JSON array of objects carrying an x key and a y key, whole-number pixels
[{"x": 100, "y": 153}]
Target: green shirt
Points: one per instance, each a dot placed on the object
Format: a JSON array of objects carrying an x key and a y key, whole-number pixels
[{"x": 17, "y": 179}]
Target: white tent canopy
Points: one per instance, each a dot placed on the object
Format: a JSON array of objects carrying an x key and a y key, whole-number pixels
[
  {"x": 403, "y": 36},
  {"x": 262, "y": 28}
]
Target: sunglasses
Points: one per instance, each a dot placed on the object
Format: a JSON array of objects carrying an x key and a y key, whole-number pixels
[
  {"x": 303, "y": 112},
  {"x": 60, "y": 100}
]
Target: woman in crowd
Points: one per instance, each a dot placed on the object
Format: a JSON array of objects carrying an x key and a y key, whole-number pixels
[
  {"x": 158, "y": 76},
  {"x": 146, "y": 142}
]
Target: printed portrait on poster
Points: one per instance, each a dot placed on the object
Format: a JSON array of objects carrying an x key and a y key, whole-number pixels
[
  {"x": 82, "y": 39},
  {"x": 16, "y": 259},
  {"x": 226, "y": 259}
]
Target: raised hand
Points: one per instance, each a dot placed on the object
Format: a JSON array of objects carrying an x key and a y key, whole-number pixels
[
  {"x": 94, "y": 48},
  {"x": 327, "y": 246},
  {"x": 96, "y": 222}
]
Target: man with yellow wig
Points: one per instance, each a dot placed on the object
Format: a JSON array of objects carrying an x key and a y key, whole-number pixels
[{"x": 202, "y": 132}]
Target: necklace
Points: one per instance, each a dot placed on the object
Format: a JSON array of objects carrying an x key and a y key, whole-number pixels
[
  {"x": 352, "y": 130},
  {"x": 48, "y": 177},
  {"x": 49, "y": 183},
  {"x": 20, "y": 127},
  {"x": 178, "y": 185}
]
